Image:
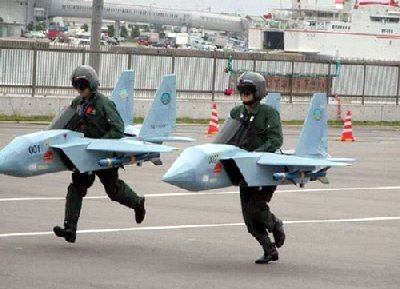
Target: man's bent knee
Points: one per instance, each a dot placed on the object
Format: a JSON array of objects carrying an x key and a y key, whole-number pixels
[{"x": 76, "y": 191}]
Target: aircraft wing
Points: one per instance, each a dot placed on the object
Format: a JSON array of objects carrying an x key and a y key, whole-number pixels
[
  {"x": 290, "y": 160},
  {"x": 73, "y": 142},
  {"x": 95, "y": 154},
  {"x": 274, "y": 159},
  {"x": 260, "y": 169},
  {"x": 169, "y": 138},
  {"x": 127, "y": 145}
]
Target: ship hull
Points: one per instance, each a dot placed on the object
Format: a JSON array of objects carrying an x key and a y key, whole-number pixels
[{"x": 343, "y": 45}]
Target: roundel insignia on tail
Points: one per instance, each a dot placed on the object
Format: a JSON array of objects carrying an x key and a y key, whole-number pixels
[
  {"x": 317, "y": 114},
  {"x": 123, "y": 94},
  {"x": 165, "y": 98}
]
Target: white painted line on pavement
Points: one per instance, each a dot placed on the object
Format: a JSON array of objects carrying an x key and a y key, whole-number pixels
[
  {"x": 177, "y": 227},
  {"x": 205, "y": 193}
]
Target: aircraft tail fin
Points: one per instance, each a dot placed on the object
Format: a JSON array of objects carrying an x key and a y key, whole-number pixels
[
  {"x": 313, "y": 141},
  {"x": 273, "y": 99},
  {"x": 122, "y": 95},
  {"x": 160, "y": 120}
]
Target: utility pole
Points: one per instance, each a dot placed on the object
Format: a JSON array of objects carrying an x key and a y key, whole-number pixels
[{"x": 95, "y": 33}]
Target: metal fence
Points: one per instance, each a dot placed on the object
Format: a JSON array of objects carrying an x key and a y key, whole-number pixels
[{"x": 43, "y": 71}]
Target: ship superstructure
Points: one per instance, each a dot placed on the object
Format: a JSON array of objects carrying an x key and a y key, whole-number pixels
[{"x": 368, "y": 30}]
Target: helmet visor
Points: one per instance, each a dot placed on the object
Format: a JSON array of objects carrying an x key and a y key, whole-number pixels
[
  {"x": 80, "y": 83},
  {"x": 246, "y": 88}
]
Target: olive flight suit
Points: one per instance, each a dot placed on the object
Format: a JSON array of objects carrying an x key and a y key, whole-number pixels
[
  {"x": 96, "y": 118},
  {"x": 260, "y": 131}
]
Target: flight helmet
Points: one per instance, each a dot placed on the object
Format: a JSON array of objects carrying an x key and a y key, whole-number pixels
[
  {"x": 252, "y": 82},
  {"x": 84, "y": 76}
]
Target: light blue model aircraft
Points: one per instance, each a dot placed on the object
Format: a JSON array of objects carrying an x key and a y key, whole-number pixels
[
  {"x": 218, "y": 165},
  {"x": 161, "y": 120},
  {"x": 58, "y": 149},
  {"x": 273, "y": 99}
]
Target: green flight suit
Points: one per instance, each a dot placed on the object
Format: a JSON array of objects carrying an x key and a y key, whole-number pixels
[
  {"x": 260, "y": 131},
  {"x": 96, "y": 118}
]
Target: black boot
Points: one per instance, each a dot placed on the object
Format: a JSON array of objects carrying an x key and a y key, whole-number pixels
[
  {"x": 278, "y": 233},
  {"x": 140, "y": 211},
  {"x": 271, "y": 254},
  {"x": 69, "y": 234}
]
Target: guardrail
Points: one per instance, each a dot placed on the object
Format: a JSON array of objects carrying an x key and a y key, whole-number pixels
[{"x": 38, "y": 69}]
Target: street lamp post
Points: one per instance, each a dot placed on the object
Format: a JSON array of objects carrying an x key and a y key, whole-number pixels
[{"x": 95, "y": 33}]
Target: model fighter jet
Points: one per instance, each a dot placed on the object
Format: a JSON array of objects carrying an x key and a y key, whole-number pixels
[
  {"x": 218, "y": 165},
  {"x": 57, "y": 149}
]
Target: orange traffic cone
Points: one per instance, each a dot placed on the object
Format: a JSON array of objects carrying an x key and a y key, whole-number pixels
[
  {"x": 347, "y": 133},
  {"x": 213, "y": 127}
]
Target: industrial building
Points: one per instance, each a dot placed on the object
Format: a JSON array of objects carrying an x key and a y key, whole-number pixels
[{"x": 16, "y": 14}]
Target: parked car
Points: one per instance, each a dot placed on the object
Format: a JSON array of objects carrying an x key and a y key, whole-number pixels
[
  {"x": 144, "y": 42},
  {"x": 161, "y": 44},
  {"x": 27, "y": 34},
  {"x": 112, "y": 40},
  {"x": 34, "y": 34},
  {"x": 38, "y": 34},
  {"x": 86, "y": 42}
]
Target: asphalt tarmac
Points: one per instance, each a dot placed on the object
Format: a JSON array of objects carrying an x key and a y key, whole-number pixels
[{"x": 341, "y": 235}]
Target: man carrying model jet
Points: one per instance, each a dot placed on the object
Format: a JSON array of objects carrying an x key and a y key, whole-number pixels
[
  {"x": 96, "y": 117},
  {"x": 260, "y": 130}
]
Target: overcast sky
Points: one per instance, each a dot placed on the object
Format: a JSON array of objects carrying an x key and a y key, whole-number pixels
[{"x": 251, "y": 7}]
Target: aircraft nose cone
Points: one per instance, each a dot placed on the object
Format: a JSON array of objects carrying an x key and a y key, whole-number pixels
[
  {"x": 9, "y": 164},
  {"x": 4, "y": 163},
  {"x": 180, "y": 173}
]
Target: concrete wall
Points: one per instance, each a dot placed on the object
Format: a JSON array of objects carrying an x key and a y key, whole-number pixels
[{"x": 199, "y": 109}]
